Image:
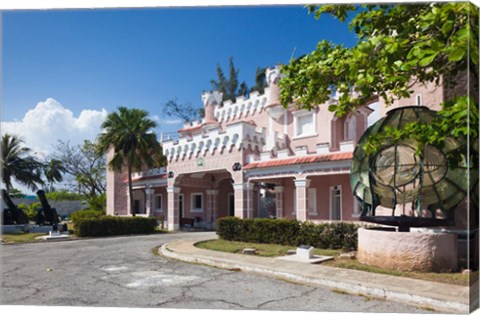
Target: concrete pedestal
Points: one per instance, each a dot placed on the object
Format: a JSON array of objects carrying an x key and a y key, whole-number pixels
[{"x": 407, "y": 251}]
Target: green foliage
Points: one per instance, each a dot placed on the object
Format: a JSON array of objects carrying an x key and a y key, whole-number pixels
[
  {"x": 85, "y": 164},
  {"x": 30, "y": 210},
  {"x": 398, "y": 45},
  {"x": 16, "y": 193},
  {"x": 81, "y": 215},
  {"x": 229, "y": 87},
  {"x": 18, "y": 164},
  {"x": 109, "y": 226},
  {"x": 52, "y": 170},
  {"x": 97, "y": 203},
  {"x": 63, "y": 195},
  {"x": 459, "y": 113},
  {"x": 128, "y": 131},
  {"x": 339, "y": 235},
  {"x": 260, "y": 80}
]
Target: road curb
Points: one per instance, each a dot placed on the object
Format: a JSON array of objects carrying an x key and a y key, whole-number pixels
[{"x": 351, "y": 288}]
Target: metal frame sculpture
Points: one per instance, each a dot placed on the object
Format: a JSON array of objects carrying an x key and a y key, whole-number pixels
[{"x": 397, "y": 175}]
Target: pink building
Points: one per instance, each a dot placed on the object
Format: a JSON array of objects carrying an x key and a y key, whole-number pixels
[{"x": 254, "y": 158}]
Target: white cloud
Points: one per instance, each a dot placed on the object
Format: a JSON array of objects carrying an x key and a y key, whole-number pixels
[{"x": 50, "y": 121}]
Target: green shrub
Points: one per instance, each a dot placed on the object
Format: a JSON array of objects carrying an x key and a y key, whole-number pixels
[
  {"x": 60, "y": 195},
  {"x": 338, "y": 235},
  {"x": 109, "y": 226},
  {"x": 78, "y": 216},
  {"x": 30, "y": 210},
  {"x": 97, "y": 203},
  {"x": 230, "y": 228}
]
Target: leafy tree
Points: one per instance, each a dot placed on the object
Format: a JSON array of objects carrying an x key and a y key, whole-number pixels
[
  {"x": 18, "y": 164},
  {"x": 186, "y": 112},
  {"x": 63, "y": 195},
  {"x": 260, "y": 80},
  {"x": 85, "y": 164},
  {"x": 129, "y": 133},
  {"x": 230, "y": 87},
  {"x": 97, "y": 203},
  {"x": 52, "y": 170},
  {"x": 16, "y": 193},
  {"x": 399, "y": 45},
  {"x": 30, "y": 210}
]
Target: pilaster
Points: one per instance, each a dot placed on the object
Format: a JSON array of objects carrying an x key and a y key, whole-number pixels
[
  {"x": 279, "y": 200},
  {"x": 173, "y": 216},
  {"x": 148, "y": 201},
  {"x": 301, "y": 186},
  {"x": 243, "y": 200}
]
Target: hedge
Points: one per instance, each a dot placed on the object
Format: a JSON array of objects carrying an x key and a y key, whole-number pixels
[
  {"x": 77, "y": 216},
  {"x": 109, "y": 225},
  {"x": 338, "y": 235}
]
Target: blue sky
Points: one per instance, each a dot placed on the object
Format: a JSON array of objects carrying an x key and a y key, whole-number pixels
[{"x": 103, "y": 58}]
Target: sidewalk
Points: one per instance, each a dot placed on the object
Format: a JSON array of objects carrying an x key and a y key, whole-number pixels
[{"x": 438, "y": 296}]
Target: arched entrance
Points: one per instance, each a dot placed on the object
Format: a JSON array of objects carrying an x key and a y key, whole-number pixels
[{"x": 199, "y": 199}]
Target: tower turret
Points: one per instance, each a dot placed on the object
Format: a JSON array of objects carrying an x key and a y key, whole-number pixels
[
  {"x": 211, "y": 100},
  {"x": 274, "y": 109}
]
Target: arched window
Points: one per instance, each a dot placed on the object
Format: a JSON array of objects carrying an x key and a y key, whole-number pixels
[{"x": 350, "y": 127}]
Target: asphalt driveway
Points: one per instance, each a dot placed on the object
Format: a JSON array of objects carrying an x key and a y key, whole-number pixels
[{"x": 124, "y": 272}]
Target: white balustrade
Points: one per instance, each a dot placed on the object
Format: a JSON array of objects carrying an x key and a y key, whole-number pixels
[
  {"x": 150, "y": 172},
  {"x": 236, "y": 135},
  {"x": 242, "y": 107}
]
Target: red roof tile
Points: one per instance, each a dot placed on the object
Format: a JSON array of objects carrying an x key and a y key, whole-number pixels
[{"x": 301, "y": 160}]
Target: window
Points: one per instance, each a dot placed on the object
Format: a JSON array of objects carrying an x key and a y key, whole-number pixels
[
  {"x": 312, "y": 201},
  {"x": 419, "y": 99},
  {"x": 304, "y": 124},
  {"x": 157, "y": 203},
  {"x": 350, "y": 127},
  {"x": 336, "y": 202},
  {"x": 197, "y": 202}
]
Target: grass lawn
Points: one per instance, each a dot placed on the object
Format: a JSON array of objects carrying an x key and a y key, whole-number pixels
[
  {"x": 265, "y": 250},
  {"x": 456, "y": 278},
  {"x": 272, "y": 250},
  {"x": 22, "y": 238}
]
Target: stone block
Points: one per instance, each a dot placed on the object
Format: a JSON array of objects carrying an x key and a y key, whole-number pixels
[
  {"x": 305, "y": 252},
  {"x": 249, "y": 251}
]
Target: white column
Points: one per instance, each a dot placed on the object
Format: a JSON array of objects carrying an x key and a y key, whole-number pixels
[
  {"x": 239, "y": 200},
  {"x": 148, "y": 201},
  {"x": 279, "y": 201},
  {"x": 243, "y": 200},
  {"x": 301, "y": 186},
  {"x": 173, "y": 211},
  {"x": 129, "y": 210}
]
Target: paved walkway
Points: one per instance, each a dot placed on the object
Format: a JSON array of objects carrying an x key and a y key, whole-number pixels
[{"x": 438, "y": 296}]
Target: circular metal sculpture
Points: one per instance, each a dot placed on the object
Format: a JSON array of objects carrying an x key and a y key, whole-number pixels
[{"x": 421, "y": 189}]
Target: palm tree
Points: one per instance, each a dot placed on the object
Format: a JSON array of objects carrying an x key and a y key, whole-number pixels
[
  {"x": 129, "y": 133},
  {"x": 17, "y": 164},
  {"x": 53, "y": 170}
]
